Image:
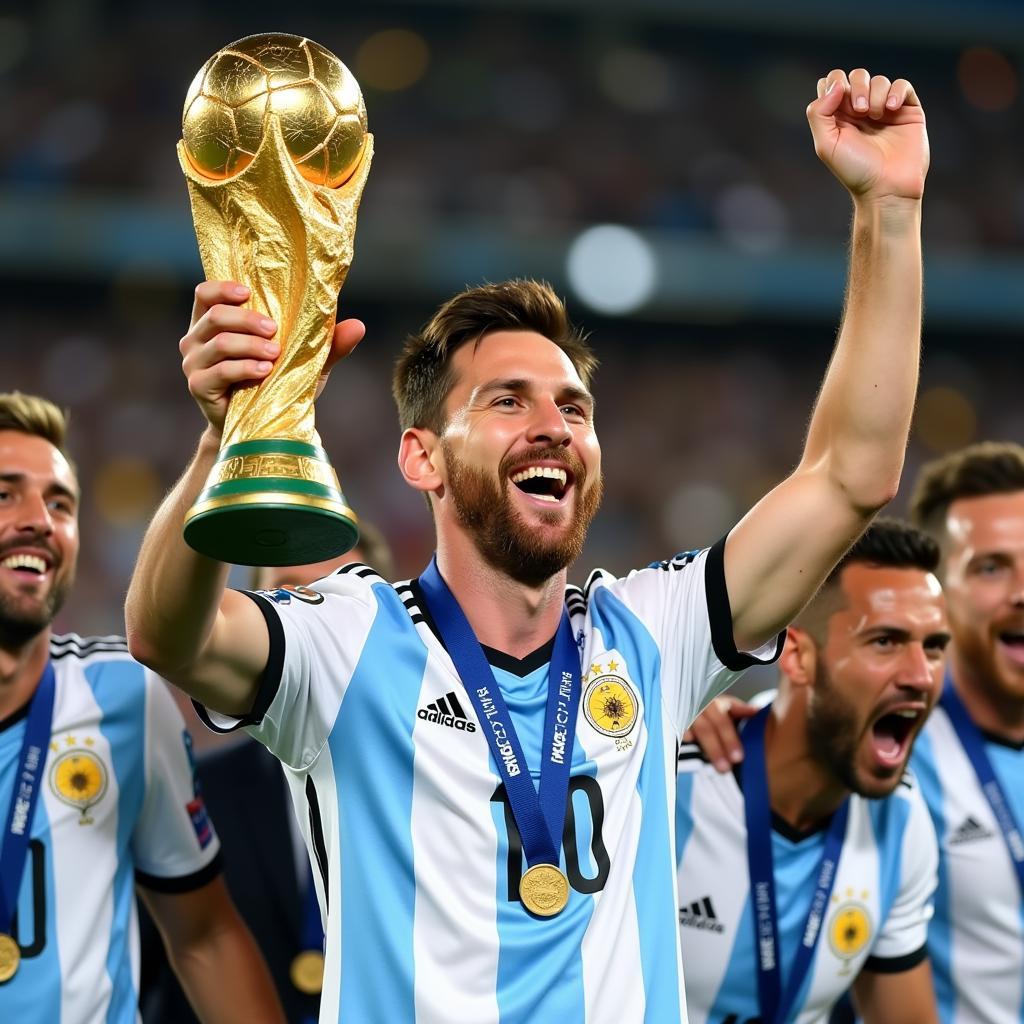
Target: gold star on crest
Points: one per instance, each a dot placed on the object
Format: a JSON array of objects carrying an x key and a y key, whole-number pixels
[
  {"x": 89, "y": 741},
  {"x": 612, "y": 665},
  {"x": 71, "y": 741}
]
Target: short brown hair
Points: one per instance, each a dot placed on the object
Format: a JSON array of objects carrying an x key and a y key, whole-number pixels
[
  {"x": 30, "y": 414},
  {"x": 990, "y": 467},
  {"x": 423, "y": 375}
]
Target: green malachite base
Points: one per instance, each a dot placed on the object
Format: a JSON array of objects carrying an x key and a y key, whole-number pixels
[{"x": 271, "y": 502}]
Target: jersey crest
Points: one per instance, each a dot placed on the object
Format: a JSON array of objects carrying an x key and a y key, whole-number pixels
[{"x": 78, "y": 776}]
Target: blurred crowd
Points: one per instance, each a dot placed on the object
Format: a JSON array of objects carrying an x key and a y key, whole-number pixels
[{"x": 535, "y": 122}]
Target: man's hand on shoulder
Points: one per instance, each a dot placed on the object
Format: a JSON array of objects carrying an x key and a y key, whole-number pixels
[{"x": 714, "y": 731}]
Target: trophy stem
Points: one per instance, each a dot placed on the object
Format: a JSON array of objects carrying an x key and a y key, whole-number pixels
[{"x": 271, "y": 502}]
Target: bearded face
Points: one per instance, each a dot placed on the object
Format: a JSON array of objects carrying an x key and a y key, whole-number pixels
[{"x": 488, "y": 507}]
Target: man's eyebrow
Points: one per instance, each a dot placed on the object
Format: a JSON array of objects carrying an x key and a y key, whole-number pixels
[
  {"x": 520, "y": 385},
  {"x": 55, "y": 487}
]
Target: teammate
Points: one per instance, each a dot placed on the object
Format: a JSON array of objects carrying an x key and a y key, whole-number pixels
[
  {"x": 821, "y": 811},
  {"x": 970, "y": 759},
  {"x": 413, "y": 757},
  {"x": 267, "y": 869},
  {"x": 96, "y": 785}
]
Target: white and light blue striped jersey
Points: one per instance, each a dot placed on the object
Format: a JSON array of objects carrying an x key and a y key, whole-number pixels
[
  {"x": 976, "y": 940},
  {"x": 406, "y": 816},
  {"x": 877, "y": 917},
  {"x": 117, "y": 805}
]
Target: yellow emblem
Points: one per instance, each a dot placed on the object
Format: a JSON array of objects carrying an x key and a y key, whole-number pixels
[
  {"x": 850, "y": 930},
  {"x": 610, "y": 705},
  {"x": 79, "y": 778}
]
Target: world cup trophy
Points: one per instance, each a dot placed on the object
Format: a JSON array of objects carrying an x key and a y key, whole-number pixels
[{"x": 276, "y": 152}]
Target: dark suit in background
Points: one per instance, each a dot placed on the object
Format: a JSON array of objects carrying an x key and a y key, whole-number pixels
[{"x": 247, "y": 798}]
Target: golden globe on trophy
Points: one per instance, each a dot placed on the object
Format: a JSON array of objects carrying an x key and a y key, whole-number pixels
[{"x": 275, "y": 153}]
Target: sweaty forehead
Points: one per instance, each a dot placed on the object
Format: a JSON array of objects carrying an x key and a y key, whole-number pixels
[
  {"x": 34, "y": 458},
  {"x": 991, "y": 522},
  {"x": 897, "y": 597}
]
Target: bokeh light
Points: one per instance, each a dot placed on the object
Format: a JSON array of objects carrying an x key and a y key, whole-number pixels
[
  {"x": 988, "y": 79},
  {"x": 392, "y": 60},
  {"x": 126, "y": 491},
  {"x": 945, "y": 419},
  {"x": 612, "y": 269}
]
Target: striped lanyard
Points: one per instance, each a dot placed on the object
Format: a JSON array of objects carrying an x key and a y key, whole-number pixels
[
  {"x": 775, "y": 1004},
  {"x": 973, "y": 742},
  {"x": 25, "y": 796}
]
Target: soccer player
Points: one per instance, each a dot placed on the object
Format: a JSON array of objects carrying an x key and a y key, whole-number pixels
[
  {"x": 413, "y": 719},
  {"x": 96, "y": 785},
  {"x": 266, "y": 868},
  {"x": 970, "y": 758},
  {"x": 821, "y": 812}
]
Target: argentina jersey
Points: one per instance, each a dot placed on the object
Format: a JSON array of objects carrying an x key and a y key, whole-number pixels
[
  {"x": 117, "y": 806},
  {"x": 418, "y": 855},
  {"x": 877, "y": 915},
  {"x": 976, "y": 940}
]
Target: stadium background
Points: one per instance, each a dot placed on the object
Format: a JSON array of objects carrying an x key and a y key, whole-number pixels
[{"x": 651, "y": 160}]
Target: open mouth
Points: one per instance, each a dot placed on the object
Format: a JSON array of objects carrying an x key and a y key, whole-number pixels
[
  {"x": 891, "y": 735},
  {"x": 26, "y": 564},
  {"x": 1012, "y": 642},
  {"x": 548, "y": 483}
]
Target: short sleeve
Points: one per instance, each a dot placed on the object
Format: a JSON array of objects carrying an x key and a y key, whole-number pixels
[
  {"x": 316, "y": 639},
  {"x": 174, "y": 846},
  {"x": 684, "y": 604},
  {"x": 901, "y": 941}
]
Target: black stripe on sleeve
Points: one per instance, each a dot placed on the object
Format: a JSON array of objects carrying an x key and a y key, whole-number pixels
[
  {"x": 896, "y": 964},
  {"x": 269, "y": 682},
  {"x": 317, "y": 829},
  {"x": 183, "y": 883},
  {"x": 720, "y": 614}
]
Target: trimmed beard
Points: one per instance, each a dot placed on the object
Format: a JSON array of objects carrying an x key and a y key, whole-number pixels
[
  {"x": 834, "y": 737},
  {"x": 18, "y": 627},
  {"x": 484, "y": 507}
]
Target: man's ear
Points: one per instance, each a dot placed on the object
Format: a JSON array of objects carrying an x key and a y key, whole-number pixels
[
  {"x": 799, "y": 658},
  {"x": 420, "y": 459}
]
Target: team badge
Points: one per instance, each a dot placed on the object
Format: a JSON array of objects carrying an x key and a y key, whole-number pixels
[
  {"x": 610, "y": 703},
  {"x": 849, "y": 930},
  {"x": 79, "y": 778},
  {"x": 284, "y": 595}
]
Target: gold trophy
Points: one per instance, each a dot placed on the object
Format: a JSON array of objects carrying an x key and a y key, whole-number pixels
[{"x": 275, "y": 152}]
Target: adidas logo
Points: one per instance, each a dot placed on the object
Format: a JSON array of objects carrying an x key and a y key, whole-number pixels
[
  {"x": 970, "y": 831},
  {"x": 701, "y": 914},
  {"x": 447, "y": 711}
]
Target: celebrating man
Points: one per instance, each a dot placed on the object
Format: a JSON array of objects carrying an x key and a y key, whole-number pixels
[
  {"x": 96, "y": 784},
  {"x": 414, "y": 720},
  {"x": 834, "y": 840},
  {"x": 970, "y": 759}
]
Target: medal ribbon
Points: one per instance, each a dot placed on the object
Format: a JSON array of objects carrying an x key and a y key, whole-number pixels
[
  {"x": 973, "y": 742},
  {"x": 775, "y": 1004},
  {"x": 25, "y": 796},
  {"x": 312, "y": 925},
  {"x": 539, "y": 816}
]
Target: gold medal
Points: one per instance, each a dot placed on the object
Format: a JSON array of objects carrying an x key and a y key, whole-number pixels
[
  {"x": 307, "y": 972},
  {"x": 10, "y": 958},
  {"x": 544, "y": 890}
]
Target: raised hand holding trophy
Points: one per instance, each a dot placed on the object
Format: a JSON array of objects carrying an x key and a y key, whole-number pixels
[{"x": 275, "y": 152}]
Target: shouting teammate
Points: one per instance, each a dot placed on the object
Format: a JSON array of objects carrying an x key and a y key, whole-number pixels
[
  {"x": 413, "y": 720},
  {"x": 834, "y": 842}
]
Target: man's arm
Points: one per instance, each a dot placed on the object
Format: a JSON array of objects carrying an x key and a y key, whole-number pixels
[
  {"x": 214, "y": 956},
  {"x": 180, "y": 619},
  {"x": 904, "y": 998},
  {"x": 778, "y": 555}
]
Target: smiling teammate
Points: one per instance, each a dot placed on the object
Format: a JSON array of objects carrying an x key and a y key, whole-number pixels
[
  {"x": 453, "y": 890},
  {"x": 821, "y": 811},
  {"x": 97, "y": 789}
]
